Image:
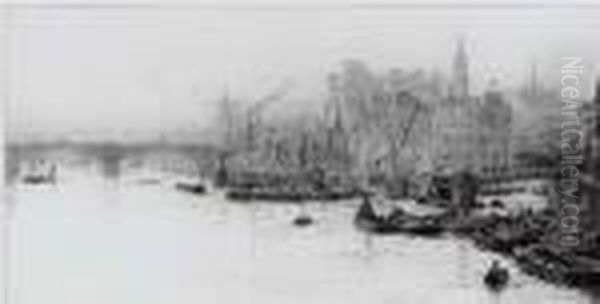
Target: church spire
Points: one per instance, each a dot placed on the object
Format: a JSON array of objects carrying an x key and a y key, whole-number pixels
[{"x": 460, "y": 70}]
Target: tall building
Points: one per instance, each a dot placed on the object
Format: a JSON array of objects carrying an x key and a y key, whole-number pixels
[
  {"x": 495, "y": 132},
  {"x": 471, "y": 132},
  {"x": 454, "y": 140},
  {"x": 455, "y": 119}
]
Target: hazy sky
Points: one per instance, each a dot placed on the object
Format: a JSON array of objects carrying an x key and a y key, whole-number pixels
[{"x": 150, "y": 69}]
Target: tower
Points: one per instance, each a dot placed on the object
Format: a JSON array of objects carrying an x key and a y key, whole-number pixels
[
  {"x": 337, "y": 141},
  {"x": 460, "y": 71}
]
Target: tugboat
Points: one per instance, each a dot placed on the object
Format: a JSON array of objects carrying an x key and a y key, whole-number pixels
[{"x": 497, "y": 277}]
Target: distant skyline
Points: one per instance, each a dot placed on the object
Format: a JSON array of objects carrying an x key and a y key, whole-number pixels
[{"x": 151, "y": 71}]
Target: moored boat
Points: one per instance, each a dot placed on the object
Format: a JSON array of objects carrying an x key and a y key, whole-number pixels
[
  {"x": 288, "y": 195},
  {"x": 559, "y": 266},
  {"x": 194, "y": 188},
  {"x": 34, "y": 179},
  {"x": 398, "y": 221},
  {"x": 423, "y": 226},
  {"x": 42, "y": 173}
]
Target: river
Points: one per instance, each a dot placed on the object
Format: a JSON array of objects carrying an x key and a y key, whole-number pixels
[{"x": 89, "y": 240}]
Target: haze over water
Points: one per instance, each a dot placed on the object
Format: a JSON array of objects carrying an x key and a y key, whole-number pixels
[{"x": 134, "y": 73}]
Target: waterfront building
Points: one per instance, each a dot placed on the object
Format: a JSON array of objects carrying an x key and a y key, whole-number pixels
[
  {"x": 456, "y": 132},
  {"x": 590, "y": 181},
  {"x": 471, "y": 132},
  {"x": 495, "y": 132}
]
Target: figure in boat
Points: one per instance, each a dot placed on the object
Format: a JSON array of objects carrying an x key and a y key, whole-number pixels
[{"x": 497, "y": 276}]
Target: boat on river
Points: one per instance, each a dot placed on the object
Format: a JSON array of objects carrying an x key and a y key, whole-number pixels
[
  {"x": 190, "y": 187},
  {"x": 42, "y": 173},
  {"x": 497, "y": 277},
  {"x": 502, "y": 234},
  {"x": 283, "y": 194},
  {"x": 398, "y": 221},
  {"x": 303, "y": 220},
  {"x": 559, "y": 266}
]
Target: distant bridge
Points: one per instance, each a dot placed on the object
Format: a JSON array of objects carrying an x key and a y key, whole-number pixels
[{"x": 110, "y": 155}]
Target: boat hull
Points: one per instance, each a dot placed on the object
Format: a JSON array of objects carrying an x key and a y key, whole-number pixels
[
  {"x": 269, "y": 195},
  {"x": 191, "y": 188},
  {"x": 410, "y": 224}
]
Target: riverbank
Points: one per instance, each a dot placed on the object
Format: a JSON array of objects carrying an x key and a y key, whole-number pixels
[
  {"x": 530, "y": 240},
  {"x": 527, "y": 237}
]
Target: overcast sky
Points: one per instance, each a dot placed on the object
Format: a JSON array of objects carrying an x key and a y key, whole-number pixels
[{"x": 151, "y": 69}]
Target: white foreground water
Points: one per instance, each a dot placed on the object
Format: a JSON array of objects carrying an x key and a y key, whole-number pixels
[{"x": 91, "y": 241}]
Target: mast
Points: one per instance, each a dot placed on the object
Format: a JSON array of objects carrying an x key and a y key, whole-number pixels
[
  {"x": 227, "y": 117},
  {"x": 395, "y": 149}
]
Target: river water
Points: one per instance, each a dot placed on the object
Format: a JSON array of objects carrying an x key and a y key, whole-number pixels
[{"x": 89, "y": 240}]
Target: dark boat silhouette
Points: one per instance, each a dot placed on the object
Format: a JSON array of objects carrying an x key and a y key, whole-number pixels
[
  {"x": 274, "y": 194},
  {"x": 303, "y": 220},
  {"x": 497, "y": 277},
  {"x": 34, "y": 179},
  {"x": 559, "y": 266},
  {"x": 194, "y": 188},
  {"x": 42, "y": 176}
]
